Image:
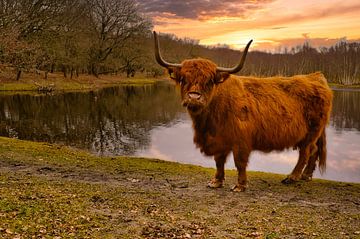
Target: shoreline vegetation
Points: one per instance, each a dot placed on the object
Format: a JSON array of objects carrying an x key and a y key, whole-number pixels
[
  {"x": 57, "y": 82},
  {"x": 49, "y": 190}
]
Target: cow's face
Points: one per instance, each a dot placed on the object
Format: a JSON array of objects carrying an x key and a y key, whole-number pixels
[{"x": 198, "y": 79}]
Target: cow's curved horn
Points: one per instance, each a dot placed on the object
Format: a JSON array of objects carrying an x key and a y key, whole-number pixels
[
  {"x": 158, "y": 57},
  {"x": 238, "y": 67}
]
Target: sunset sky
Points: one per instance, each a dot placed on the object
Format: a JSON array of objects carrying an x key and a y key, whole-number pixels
[{"x": 270, "y": 23}]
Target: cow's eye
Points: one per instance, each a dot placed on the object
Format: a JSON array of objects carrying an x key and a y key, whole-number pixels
[{"x": 209, "y": 84}]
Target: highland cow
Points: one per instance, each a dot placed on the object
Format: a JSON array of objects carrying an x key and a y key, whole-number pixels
[{"x": 241, "y": 114}]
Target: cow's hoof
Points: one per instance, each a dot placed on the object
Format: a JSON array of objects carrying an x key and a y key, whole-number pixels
[
  {"x": 215, "y": 183},
  {"x": 238, "y": 188},
  {"x": 306, "y": 178},
  {"x": 288, "y": 180}
]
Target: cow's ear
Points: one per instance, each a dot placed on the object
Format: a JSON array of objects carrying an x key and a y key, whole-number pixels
[
  {"x": 174, "y": 73},
  {"x": 220, "y": 77}
]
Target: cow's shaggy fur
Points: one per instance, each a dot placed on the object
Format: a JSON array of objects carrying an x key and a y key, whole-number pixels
[{"x": 242, "y": 114}]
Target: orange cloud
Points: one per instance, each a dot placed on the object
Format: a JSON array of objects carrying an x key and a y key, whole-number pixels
[{"x": 268, "y": 22}]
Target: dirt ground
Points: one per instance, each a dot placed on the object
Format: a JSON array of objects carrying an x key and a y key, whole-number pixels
[{"x": 51, "y": 191}]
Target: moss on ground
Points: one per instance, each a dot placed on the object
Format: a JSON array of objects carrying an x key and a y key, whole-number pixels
[{"x": 53, "y": 191}]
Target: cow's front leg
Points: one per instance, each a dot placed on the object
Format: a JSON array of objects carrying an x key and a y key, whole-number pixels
[
  {"x": 218, "y": 180},
  {"x": 241, "y": 158}
]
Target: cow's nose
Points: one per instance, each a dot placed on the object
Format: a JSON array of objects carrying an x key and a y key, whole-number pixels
[{"x": 194, "y": 95}]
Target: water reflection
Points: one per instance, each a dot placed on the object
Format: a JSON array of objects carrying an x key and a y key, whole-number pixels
[
  {"x": 149, "y": 121},
  {"x": 111, "y": 121},
  {"x": 346, "y": 110}
]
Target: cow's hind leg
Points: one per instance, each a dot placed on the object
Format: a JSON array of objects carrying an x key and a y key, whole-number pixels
[
  {"x": 218, "y": 180},
  {"x": 310, "y": 166},
  {"x": 319, "y": 154},
  {"x": 307, "y": 148},
  {"x": 295, "y": 175},
  {"x": 309, "y": 169},
  {"x": 241, "y": 158}
]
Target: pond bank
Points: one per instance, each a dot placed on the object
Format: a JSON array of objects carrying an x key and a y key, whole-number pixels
[
  {"x": 335, "y": 86},
  {"x": 32, "y": 82},
  {"x": 55, "y": 191},
  {"x": 57, "y": 82}
]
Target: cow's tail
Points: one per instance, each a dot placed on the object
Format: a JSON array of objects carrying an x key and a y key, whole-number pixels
[{"x": 321, "y": 144}]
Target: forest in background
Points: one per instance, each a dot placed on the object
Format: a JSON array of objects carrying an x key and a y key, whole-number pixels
[{"x": 113, "y": 36}]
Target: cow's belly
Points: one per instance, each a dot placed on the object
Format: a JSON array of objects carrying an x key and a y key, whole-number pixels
[
  {"x": 210, "y": 145},
  {"x": 280, "y": 137}
]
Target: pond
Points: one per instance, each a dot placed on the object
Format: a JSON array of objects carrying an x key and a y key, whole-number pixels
[{"x": 149, "y": 121}]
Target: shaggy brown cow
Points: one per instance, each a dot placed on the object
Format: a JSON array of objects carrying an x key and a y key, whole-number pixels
[{"x": 242, "y": 114}]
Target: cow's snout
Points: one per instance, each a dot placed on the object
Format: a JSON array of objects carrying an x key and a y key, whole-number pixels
[
  {"x": 194, "y": 101},
  {"x": 194, "y": 95}
]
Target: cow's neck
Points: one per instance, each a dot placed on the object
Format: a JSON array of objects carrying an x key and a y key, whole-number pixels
[
  {"x": 203, "y": 122},
  {"x": 200, "y": 121}
]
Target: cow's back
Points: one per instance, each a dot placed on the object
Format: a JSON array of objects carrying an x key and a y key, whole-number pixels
[{"x": 271, "y": 113}]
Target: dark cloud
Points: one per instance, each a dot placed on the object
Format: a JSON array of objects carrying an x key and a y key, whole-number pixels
[
  {"x": 277, "y": 28},
  {"x": 200, "y": 9}
]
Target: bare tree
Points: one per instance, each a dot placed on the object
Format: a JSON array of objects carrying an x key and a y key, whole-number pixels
[{"x": 112, "y": 23}]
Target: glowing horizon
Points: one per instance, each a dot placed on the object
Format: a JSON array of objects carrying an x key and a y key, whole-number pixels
[{"x": 270, "y": 23}]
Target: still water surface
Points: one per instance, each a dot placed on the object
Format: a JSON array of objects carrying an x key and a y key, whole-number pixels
[{"x": 149, "y": 121}]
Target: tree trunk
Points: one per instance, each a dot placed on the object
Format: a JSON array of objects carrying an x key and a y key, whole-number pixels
[
  {"x": 18, "y": 74},
  {"x": 64, "y": 71},
  {"x": 94, "y": 70}
]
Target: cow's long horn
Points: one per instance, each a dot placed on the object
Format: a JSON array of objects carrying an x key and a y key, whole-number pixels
[
  {"x": 158, "y": 57},
  {"x": 238, "y": 67}
]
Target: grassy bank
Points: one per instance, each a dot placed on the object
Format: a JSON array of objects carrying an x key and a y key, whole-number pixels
[
  {"x": 339, "y": 86},
  {"x": 52, "y": 191},
  {"x": 57, "y": 82}
]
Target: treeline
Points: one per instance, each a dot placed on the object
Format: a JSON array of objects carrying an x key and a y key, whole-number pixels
[
  {"x": 112, "y": 36},
  {"x": 340, "y": 63}
]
